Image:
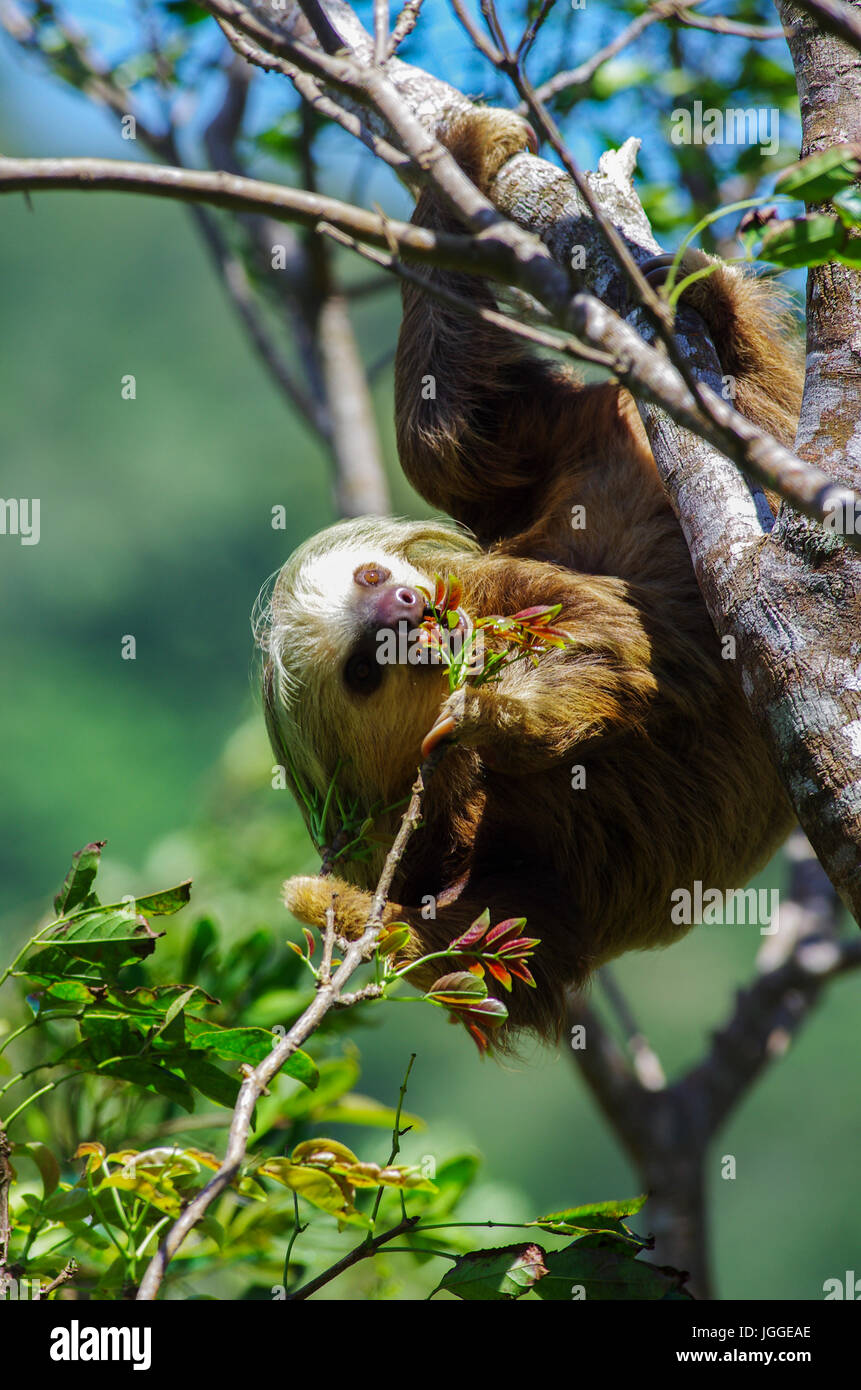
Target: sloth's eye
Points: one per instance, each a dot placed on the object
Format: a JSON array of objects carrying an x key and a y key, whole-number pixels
[
  {"x": 363, "y": 674},
  {"x": 369, "y": 575}
]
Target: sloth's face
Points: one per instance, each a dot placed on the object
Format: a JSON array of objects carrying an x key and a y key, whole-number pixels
[
  {"x": 357, "y": 686},
  {"x": 388, "y": 613}
]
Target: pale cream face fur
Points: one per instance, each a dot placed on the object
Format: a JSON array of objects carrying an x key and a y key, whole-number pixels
[{"x": 308, "y": 631}]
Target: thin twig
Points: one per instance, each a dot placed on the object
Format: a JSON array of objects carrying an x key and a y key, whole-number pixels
[
  {"x": 646, "y": 1062},
  {"x": 364, "y": 1251},
  {"x": 718, "y": 24},
  {"x": 580, "y": 77},
  {"x": 5, "y": 1226},
  {"x": 310, "y": 91},
  {"x": 67, "y": 1273},
  {"x": 256, "y": 1081},
  {"x": 404, "y": 25},
  {"x": 397, "y": 1135},
  {"x": 381, "y": 31}
]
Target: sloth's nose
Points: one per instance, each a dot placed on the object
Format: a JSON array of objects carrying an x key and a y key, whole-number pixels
[{"x": 392, "y": 604}]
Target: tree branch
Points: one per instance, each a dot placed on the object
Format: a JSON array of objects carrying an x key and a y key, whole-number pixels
[
  {"x": 833, "y": 17},
  {"x": 668, "y": 1131}
]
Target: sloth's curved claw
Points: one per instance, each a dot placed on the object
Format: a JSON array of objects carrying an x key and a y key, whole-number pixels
[
  {"x": 443, "y": 729},
  {"x": 448, "y": 722}
]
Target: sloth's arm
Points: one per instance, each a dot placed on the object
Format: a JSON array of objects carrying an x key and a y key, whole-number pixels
[
  {"x": 535, "y": 717},
  {"x": 604, "y": 680},
  {"x": 480, "y": 417},
  {"x": 474, "y": 409}
]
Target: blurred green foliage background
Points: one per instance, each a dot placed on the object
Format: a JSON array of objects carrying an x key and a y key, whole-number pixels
[{"x": 156, "y": 522}]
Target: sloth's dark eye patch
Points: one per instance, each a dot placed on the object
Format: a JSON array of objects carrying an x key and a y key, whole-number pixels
[
  {"x": 370, "y": 575},
  {"x": 363, "y": 674}
]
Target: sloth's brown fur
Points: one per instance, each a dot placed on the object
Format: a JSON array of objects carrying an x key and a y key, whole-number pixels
[{"x": 678, "y": 785}]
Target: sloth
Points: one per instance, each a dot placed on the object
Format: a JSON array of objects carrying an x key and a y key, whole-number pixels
[{"x": 583, "y": 791}]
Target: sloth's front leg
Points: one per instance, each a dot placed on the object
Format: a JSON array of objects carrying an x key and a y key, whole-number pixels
[{"x": 309, "y": 899}]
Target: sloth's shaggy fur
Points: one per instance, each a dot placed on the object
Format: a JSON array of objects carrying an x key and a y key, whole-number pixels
[{"x": 678, "y": 784}]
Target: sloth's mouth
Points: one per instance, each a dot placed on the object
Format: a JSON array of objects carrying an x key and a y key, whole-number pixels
[
  {"x": 431, "y": 621},
  {"x": 446, "y": 632}
]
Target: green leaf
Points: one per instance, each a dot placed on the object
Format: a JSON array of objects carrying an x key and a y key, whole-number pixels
[
  {"x": 318, "y": 1187},
  {"x": 342, "y": 1163},
  {"x": 336, "y": 1076},
  {"x": 210, "y": 1081},
  {"x": 105, "y": 934},
  {"x": 152, "y": 1077},
  {"x": 808, "y": 241},
  {"x": 49, "y": 965},
  {"x": 186, "y": 11},
  {"x": 160, "y": 1195},
  {"x": 249, "y": 1045},
  {"x": 80, "y": 878},
  {"x": 355, "y": 1109},
  {"x": 176, "y": 1007},
  {"x": 393, "y": 939},
  {"x": 252, "y": 1045},
  {"x": 103, "y": 1038},
  {"x": 69, "y": 1204},
  {"x": 819, "y": 177},
  {"x": 278, "y": 1006},
  {"x": 847, "y": 205},
  {"x": 164, "y": 904},
  {"x": 49, "y": 1168},
  {"x": 494, "y": 1275},
  {"x": 458, "y": 1173},
  {"x": 604, "y": 1269},
  {"x": 72, "y": 992},
  {"x": 587, "y": 1216}
]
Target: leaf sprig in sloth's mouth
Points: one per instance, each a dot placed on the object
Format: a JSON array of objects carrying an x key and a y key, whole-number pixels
[{"x": 459, "y": 642}]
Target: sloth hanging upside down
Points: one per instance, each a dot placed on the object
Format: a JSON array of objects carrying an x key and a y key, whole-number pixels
[{"x": 581, "y": 792}]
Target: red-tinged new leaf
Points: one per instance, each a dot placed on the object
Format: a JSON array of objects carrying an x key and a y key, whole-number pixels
[
  {"x": 505, "y": 928},
  {"x": 491, "y": 1013},
  {"x": 541, "y": 613},
  {"x": 452, "y": 1001},
  {"x": 457, "y": 991},
  {"x": 520, "y": 946},
  {"x": 522, "y": 972},
  {"x": 481, "y": 1041},
  {"x": 297, "y": 949},
  {"x": 499, "y": 973},
  {"x": 476, "y": 968},
  {"x": 473, "y": 933},
  {"x": 459, "y": 982},
  {"x": 439, "y": 591},
  {"x": 309, "y": 941},
  {"x": 455, "y": 591},
  {"x": 394, "y": 939}
]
